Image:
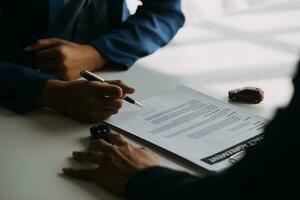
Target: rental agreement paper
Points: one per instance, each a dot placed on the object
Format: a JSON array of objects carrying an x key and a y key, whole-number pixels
[{"x": 194, "y": 126}]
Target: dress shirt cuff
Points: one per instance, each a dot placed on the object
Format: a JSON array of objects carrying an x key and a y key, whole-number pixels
[{"x": 116, "y": 58}]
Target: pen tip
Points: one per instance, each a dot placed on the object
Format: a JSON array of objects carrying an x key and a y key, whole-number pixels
[{"x": 138, "y": 104}]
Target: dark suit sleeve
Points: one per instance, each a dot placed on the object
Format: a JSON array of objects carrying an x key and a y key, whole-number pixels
[
  {"x": 19, "y": 86},
  {"x": 269, "y": 170},
  {"x": 151, "y": 27},
  {"x": 163, "y": 183},
  {"x": 158, "y": 183}
]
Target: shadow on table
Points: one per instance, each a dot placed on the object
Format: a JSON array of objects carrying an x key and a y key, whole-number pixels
[{"x": 245, "y": 73}]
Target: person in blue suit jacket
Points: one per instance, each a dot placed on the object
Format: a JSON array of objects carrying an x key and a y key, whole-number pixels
[{"x": 44, "y": 44}]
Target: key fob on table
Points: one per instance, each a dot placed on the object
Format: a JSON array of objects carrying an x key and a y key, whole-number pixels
[{"x": 100, "y": 131}]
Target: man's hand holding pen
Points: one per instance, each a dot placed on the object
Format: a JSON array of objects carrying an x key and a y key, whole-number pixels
[
  {"x": 93, "y": 77},
  {"x": 89, "y": 101}
]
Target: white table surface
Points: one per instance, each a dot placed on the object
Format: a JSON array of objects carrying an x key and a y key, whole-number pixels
[{"x": 256, "y": 48}]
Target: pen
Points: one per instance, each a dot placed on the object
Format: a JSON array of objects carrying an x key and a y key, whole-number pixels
[{"x": 93, "y": 77}]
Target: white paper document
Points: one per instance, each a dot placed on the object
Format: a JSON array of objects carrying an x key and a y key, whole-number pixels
[{"x": 198, "y": 128}]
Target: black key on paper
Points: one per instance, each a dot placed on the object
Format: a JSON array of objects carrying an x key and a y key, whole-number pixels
[{"x": 100, "y": 131}]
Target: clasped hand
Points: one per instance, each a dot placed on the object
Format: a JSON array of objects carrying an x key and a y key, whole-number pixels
[{"x": 65, "y": 59}]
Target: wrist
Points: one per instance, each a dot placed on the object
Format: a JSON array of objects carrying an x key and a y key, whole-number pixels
[
  {"x": 51, "y": 96},
  {"x": 97, "y": 59}
]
